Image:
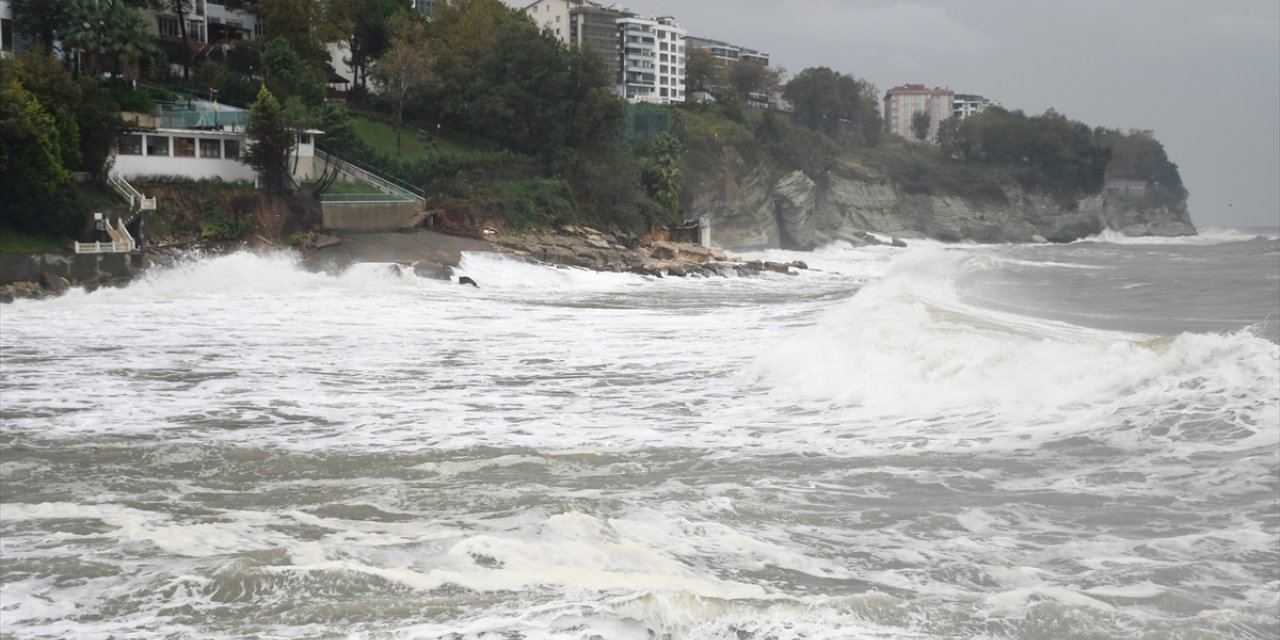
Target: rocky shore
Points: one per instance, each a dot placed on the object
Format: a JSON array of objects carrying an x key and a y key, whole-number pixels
[
  {"x": 436, "y": 255},
  {"x": 588, "y": 248}
]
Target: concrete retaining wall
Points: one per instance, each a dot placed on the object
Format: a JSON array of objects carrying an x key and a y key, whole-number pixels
[
  {"x": 27, "y": 267},
  {"x": 369, "y": 216}
]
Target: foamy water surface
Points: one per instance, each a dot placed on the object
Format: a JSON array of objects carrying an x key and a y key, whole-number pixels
[{"x": 1077, "y": 441}]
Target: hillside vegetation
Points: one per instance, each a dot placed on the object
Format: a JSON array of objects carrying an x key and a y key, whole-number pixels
[{"x": 502, "y": 125}]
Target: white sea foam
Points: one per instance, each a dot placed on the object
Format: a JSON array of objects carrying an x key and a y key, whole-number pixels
[
  {"x": 1208, "y": 236},
  {"x": 908, "y": 344},
  {"x": 236, "y": 447}
]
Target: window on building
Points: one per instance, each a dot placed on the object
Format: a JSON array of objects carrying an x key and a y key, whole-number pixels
[
  {"x": 130, "y": 144},
  {"x": 195, "y": 30},
  {"x": 231, "y": 149},
  {"x": 210, "y": 148},
  {"x": 168, "y": 26},
  {"x": 157, "y": 145},
  {"x": 184, "y": 147},
  {"x": 304, "y": 138}
]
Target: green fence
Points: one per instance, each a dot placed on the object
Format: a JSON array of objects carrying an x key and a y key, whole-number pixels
[{"x": 644, "y": 121}]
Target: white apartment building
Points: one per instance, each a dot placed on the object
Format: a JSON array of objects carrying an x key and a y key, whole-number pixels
[
  {"x": 585, "y": 24},
  {"x": 652, "y": 60},
  {"x": 966, "y": 105},
  {"x": 552, "y": 15},
  {"x": 902, "y": 103}
]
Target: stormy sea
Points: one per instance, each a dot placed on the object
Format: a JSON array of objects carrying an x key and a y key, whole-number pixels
[{"x": 965, "y": 442}]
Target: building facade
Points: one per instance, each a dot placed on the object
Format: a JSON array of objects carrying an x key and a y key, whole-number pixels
[
  {"x": 200, "y": 140},
  {"x": 652, "y": 60},
  {"x": 902, "y": 103},
  {"x": 585, "y": 24},
  {"x": 727, "y": 56},
  {"x": 211, "y": 24},
  {"x": 966, "y": 105}
]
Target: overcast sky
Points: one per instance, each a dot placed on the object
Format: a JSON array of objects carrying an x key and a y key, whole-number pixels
[{"x": 1203, "y": 74}]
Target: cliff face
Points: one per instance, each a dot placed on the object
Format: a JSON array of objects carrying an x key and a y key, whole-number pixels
[{"x": 752, "y": 205}]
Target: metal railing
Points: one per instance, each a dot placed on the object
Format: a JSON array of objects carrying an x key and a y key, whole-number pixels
[
  {"x": 121, "y": 242},
  {"x": 402, "y": 191},
  {"x": 366, "y": 197},
  {"x": 135, "y": 198},
  {"x": 203, "y": 119}
]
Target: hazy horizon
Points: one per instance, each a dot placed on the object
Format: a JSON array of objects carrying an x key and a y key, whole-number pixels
[{"x": 1171, "y": 67}]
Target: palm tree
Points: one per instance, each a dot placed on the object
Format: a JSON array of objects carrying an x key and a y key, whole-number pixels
[{"x": 111, "y": 37}]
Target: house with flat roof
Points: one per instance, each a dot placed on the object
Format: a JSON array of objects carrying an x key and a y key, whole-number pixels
[
  {"x": 197, "y": 140},
  {"x": 966, "y": 104}
]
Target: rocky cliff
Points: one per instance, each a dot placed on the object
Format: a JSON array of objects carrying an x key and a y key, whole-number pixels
[{"x": 753, "y": 203}]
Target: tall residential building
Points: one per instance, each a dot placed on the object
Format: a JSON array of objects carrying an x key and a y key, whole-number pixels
[
  {"x": 967, "y": 104},
  {"x": 652, "y": 60},
  {"x": 583, "y": 24},
  {"x": 902, "y": 103}
]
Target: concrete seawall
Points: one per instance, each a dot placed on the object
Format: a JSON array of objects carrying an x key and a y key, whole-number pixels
[
  {"x": 370, "y": 216},
  {"x": 28, "y": 267}
]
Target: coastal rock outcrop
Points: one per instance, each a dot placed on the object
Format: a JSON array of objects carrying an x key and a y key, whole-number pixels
[
  {"x": 601, "y": 251},
  {"x": 753, "y": 205}
]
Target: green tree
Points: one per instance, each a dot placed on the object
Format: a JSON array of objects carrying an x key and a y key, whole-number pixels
[
  {"x": 271, "y": 142},
  {"x": 404, "y": 71},
  {"x": 662, "y": 176},
  {"x": 749, "y": 77},
  {"x": 109, "y": 37},
  {"x": 57, "y": 93},
  {"x": 831, "y": 102},
  {"x": 287, "y": 74},
  {"x": 307, "y": 25},
  {"x": 40, "y": 20},
  {"x": 98, "y": 121},
  {"x": 920, "y": 122},
  {"x": 701, "y": 71},
  {"x": 369, "y": 36},
  {"x": 33, "y": 177}
]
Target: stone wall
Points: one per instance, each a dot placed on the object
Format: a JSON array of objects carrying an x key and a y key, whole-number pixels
[{"x": 29, "y": 267}]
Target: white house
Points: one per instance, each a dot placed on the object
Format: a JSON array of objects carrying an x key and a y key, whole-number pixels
[
  {"x": 966, "y": 105},
  {"x": 652, "y": 60},
  {"x": 200, "y": 141}
]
